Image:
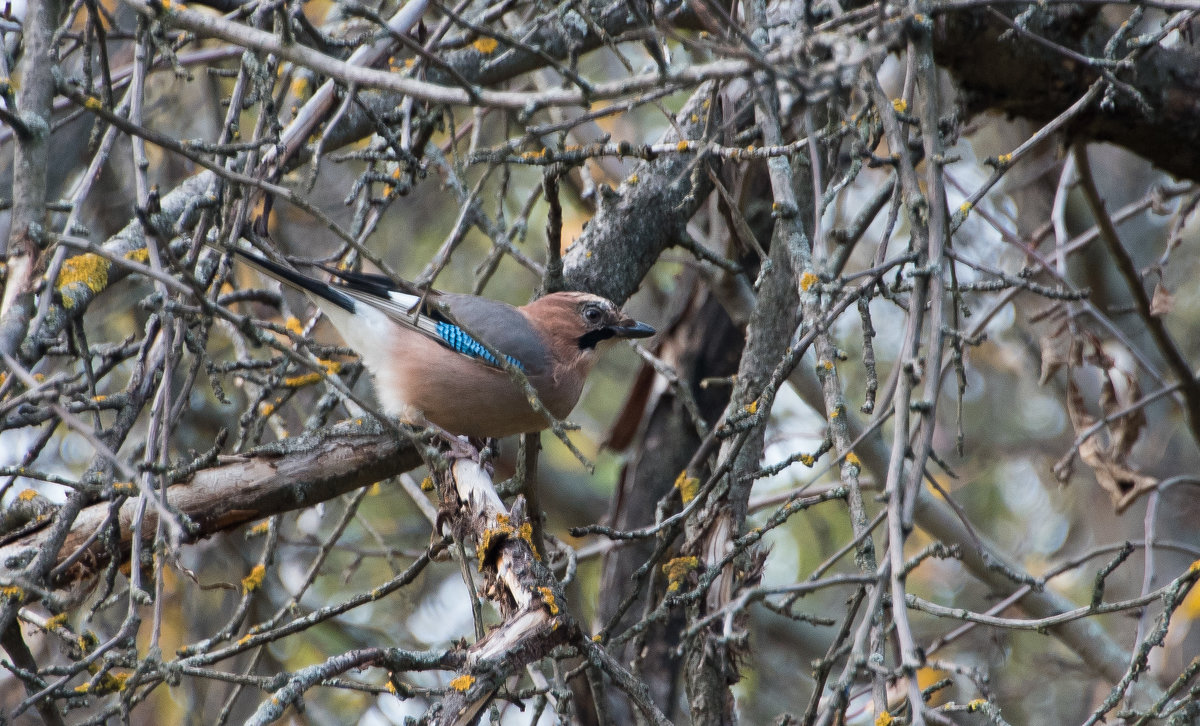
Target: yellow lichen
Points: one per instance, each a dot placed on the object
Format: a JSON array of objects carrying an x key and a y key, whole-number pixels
[
  {"x": 884, "y": 719},
  {"x": 807, "y": 280},
  {"x": 138, "y": 254},
  {"x": 427, "y": 484},
  {"x": 808, "y": 460},
  {"x": 463, "y": 682},
  {"x": 633, "y": 179},
  {"x": 266, "y": 409},
  {"x": 526, "y": 533},
  {"x": 976, "y": 704},
  {"x": 92, "y": 103},
  {"x": 492, "y": 536},
  {"x": 1004, "y": 158},
  {"x": 293, "y": 325},
  {"x": 254, "y": 580},
  {"x": 965, "y": 207},
  {"x": 682, "y": 145},
  {"x": 112, "y": 683},
  {"x": 900, "y": 105},
  {"x": 677, "y": 569},
  {"x": 305, "y": 379},
  {"x": 27, "y": 495},
  {"x": 548, "y": 598},
  {"x": 87, "y": 642},
  {"x": 688, "y": 486},
  {"x": 123, "y": 487},
  {"x": 391, "y": 688},
  {"x": 88, "y": 270},
  {"x": 853, "y": 459},
  {"x": 597, "y": 638},
  {"x": 259, "y": 529},
  {"x": 486, "y": 46},
  {"x": 11, "y": 592},
  {"x": 752, "y": 407},
  {"x": 56, "y": 622}
]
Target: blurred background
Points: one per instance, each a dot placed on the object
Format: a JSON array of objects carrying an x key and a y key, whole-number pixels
[{"x": 440, "y": 214}]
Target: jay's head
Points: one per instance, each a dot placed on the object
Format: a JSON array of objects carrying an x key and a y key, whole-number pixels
[{"x": 578, "y": 322}]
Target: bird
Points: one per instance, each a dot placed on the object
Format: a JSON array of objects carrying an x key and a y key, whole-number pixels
[{"x": 431, "y": 353}]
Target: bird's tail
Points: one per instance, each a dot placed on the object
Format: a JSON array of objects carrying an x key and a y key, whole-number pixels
[{"x": 311, "y": 285}]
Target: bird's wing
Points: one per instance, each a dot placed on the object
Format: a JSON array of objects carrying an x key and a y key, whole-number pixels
[
  {"x": 501, "y": 325},
  {"x": 505, "y": 328}
]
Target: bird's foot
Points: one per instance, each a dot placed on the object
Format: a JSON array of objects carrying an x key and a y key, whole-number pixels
[{"x": 456, "y": 447}]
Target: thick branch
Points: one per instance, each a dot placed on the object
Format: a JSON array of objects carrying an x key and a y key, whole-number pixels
[
  {"x": 648, "y": 212},
  {"x": 1018, "y": 76},
  {"x": 289, "y": 475}
]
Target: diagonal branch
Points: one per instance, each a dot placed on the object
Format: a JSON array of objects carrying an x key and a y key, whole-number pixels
[
  {"x": 1188, "y": 386},
  {"x": 288, "y": 475}
]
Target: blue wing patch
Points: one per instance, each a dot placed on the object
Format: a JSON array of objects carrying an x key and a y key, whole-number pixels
[{"x": 465, "y": 344}]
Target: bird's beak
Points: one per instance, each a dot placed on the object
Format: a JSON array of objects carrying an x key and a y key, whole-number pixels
[{"x": 630, "y": 328}]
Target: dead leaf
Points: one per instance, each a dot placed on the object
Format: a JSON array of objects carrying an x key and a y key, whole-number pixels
[
  {"x": 1163, "y": 302},
  {"x": 1058, "y": 350},
  {"x": 1056, "y": 353},
  {"x": 1123, "y": 484},
  {"x": 1109, "y": 463},
  {"x": 1076, "y": 410},
  {"x": 1124, "y": 431}
]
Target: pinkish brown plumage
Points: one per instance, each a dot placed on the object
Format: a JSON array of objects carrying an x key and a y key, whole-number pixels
[{"x": 424, "y": 351}]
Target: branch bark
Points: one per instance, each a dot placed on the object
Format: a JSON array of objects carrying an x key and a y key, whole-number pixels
[
  {"x": 280, "y": 477},
  {"x": 1017, "y": 76}
]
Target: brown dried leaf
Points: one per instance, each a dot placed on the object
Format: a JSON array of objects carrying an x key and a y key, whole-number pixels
[
  {"x": 1124, "y": 485},
  {"x": 1080, "y": 418},
  {"x": 1098, "y": 357},
  {"x": 1124, "y": 431},
  {"x": 1113, "y": 473},
  {"x": 1163, "y": 302},
  {"x": 1056, "y": 353}
]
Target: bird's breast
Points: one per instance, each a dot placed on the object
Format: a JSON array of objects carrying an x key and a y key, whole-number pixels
[{"x": 464, "y": 395}]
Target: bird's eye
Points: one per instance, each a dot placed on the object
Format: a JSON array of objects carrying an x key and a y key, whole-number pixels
[{"x": 593, "y": 315}]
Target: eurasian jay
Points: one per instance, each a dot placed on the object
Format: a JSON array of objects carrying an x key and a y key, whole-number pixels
[{"x": 428, "y": 368}]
